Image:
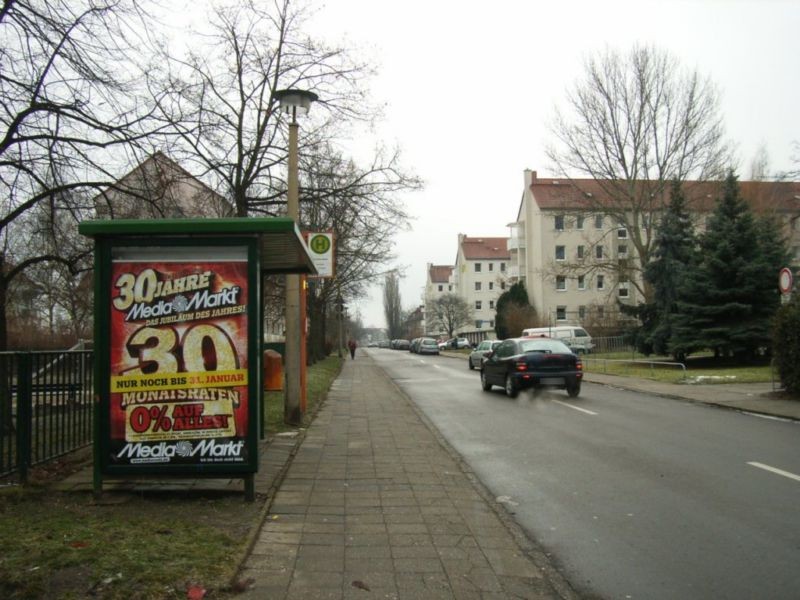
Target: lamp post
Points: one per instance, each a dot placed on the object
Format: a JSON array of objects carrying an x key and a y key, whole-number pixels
[{"x": 294, "y": 103}]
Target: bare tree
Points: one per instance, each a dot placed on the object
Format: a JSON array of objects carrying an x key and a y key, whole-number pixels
[
  {"x": 223, "y": 108},
  {"x": 68, "y": 114},
  {"x": 451, "y": 311},
  {"x": 359, "y": 205},
  {"x": 392, "y": 305},
  {"x": 635, "y": 122}
]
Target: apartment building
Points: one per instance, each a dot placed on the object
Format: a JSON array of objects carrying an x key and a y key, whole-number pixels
[
  {"x": 480, "y": 276},
  {"x": 579, "y": 263}
]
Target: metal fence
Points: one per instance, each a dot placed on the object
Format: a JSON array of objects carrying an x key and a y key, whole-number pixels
[
  {"x": 608, "y": 345},
  {"x": 45, "y": 407}
]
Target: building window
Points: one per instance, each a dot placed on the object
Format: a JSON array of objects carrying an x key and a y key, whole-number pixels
[
  {"x": 579, "y": 222},
  {"x": 491, "y": 304},
  {"x": 601, "y": 282},
  {"x": 561, "y": 282},
  {"x": 491, "y": 266},
  {"x": 581, "y": 282},
  {"x": 477, "y": 267},
  {"x": 449, "y": 288},
  {"x": 491, "y": 285},
  {"x": 598, "y": 221},
  {"x": 491, "y": 323},
  {"x": 478, "y": 324},
  {"x": 477, "y": 304},
  {"x": 502, "y": 285},
  {"x": 581, "y": 312},
  {"x": 622, "y": 250},
  {"x": 559, "y": 222},
  {"x": 623, "y": 292},
  {"x": 477, "y": 286},
  {"x": 598, "y": 251},
  {"x": 601, "y": 311},
  {"x": 561, "y": 313},
  {"x": 561, "y": 252},
  {"x": 502, "y": 267},
  {"x": 622, "y": 234},
  {"x": 580, "y": 251}
]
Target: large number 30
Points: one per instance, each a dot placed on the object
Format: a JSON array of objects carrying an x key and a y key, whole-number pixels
[{"x": 203, "y": 348}]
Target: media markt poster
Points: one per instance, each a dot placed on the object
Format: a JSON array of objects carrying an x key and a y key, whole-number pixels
[{"x": 178, "y": 347}]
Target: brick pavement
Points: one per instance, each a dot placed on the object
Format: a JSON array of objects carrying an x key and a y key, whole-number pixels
[{"x": 375, "y": 505}]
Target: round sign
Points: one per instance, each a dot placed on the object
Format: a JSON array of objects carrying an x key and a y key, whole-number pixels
[
  {"x": 785, "y": 280},
  {"x": 320, "y": 244}
]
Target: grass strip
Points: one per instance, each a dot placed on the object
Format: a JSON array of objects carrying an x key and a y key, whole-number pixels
[{"x": 152, "y": 545}]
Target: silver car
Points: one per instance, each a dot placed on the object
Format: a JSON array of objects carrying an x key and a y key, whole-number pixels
[{"x": 477, "y": 355}]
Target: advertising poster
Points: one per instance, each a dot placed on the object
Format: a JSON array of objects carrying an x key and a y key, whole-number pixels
[{"x": 178, "y": 345}]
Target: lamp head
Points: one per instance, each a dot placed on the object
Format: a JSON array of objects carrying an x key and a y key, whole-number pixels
[{"x": 295, "y": 102}]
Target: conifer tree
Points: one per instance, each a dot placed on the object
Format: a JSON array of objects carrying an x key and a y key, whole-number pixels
[
  {"x": 515, "y": 295},
  {"x": 675, "y": 250},
  {"x": 729, "y": 296}
]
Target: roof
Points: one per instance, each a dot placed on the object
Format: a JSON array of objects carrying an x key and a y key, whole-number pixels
[
  {"x": 476, "y": 248},
  {"x": 159, "y": 187},
  {"x": 281, "y": 246},
  {"x": 585, "y": 194},
  {"x": 440, "y": 273}
]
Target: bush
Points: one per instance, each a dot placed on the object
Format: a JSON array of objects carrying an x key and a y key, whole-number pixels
[{"x": 786, "y": 344}]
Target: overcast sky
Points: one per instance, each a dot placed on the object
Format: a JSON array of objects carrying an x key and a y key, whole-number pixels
[{"x": 470, "y": 88}]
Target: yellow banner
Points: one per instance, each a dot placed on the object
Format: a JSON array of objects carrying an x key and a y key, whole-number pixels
[{"x": 178, "y": 381}]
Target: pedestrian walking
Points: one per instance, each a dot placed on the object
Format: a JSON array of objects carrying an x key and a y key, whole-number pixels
[{"x": 352, "y": 346}]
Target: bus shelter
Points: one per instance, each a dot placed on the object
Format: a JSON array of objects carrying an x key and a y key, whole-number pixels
[{"x": 177, "y": 336}]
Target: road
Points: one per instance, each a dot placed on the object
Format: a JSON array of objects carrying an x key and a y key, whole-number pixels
[{"x": 634, "y": 496}]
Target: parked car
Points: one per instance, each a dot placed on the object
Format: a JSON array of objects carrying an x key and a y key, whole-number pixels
[
  {"x": 477, "y": 355},
  {"x": 442, "y": 344},
  {"x": 402, "y": 345},
  {"x": 459, "y": 343},
  {"x": 532, "y": 363},
  {"x": 577, "y": 338},
  {"x": 428, "y": 346},
  {"x": 414, "y": 345}
]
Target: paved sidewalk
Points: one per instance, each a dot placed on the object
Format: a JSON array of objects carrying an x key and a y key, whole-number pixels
[
  {"x": 375, "y": 505},
  {"x": 758, "y": 398}
]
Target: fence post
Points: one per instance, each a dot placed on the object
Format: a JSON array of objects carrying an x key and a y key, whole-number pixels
[{"x": 24, "y": 415}]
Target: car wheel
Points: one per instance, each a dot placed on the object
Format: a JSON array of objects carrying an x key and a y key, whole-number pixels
[
  {"x": 484, "y": 383},
  {"x": 471, "y": 366},
  {"x": 573, "y": 390},
  {"x": 511, "y": 389}
]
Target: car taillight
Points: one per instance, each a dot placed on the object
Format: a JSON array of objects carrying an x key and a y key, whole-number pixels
[
  {"x": 522, "y": 366},
  {"x": 579, "y": 365}
]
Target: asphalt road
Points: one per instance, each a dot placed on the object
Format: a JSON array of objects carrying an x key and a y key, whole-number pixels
[{"x": 634, "y": 496}]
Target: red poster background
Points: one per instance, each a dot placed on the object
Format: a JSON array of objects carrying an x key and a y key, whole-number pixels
[{"x": 159, "y": 325}]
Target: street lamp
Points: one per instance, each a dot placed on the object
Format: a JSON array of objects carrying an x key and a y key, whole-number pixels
[{"x": 294, "y": 103}]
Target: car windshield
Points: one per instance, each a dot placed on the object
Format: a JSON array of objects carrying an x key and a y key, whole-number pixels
[{"x": 543, "y": 345}]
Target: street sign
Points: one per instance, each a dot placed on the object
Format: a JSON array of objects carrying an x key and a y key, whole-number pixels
[
  {"x": 321, "y": 249},
  {"x": 785, "y": 280}
]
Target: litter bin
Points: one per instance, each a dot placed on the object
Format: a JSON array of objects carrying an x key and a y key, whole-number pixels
[{"x": 273, "y": 371}]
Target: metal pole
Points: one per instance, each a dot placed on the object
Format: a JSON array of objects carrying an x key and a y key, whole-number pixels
[{"x": 293, "y": 413}]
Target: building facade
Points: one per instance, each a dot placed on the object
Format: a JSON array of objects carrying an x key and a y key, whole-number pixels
[
  {"x": 578, "y": 258},
  {"x": 479, "y": 277}
]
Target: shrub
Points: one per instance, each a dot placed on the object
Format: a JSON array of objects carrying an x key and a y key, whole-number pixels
[{"x": 786, "y": 344}]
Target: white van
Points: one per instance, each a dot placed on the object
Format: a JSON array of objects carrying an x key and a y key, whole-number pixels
[{"x": 577, "y": 338}]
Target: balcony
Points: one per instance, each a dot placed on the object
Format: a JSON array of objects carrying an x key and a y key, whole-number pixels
[{"x": 516, "y": 244}]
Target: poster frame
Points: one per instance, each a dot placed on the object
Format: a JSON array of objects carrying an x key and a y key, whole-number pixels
[{"x": 104, "y": 249}]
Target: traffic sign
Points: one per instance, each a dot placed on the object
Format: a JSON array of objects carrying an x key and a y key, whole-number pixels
[{"x": 785, "y": 280}]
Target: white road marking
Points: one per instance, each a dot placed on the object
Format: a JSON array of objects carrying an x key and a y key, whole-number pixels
[
  {"x": 774, "y": 470},
  {"x": 588, "y": 412}
]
